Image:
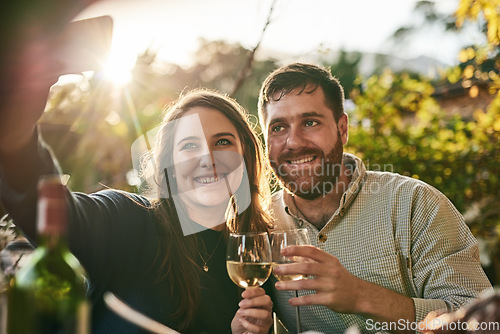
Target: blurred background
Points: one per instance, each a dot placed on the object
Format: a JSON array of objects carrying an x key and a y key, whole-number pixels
[{"x": 421, "y": 80}]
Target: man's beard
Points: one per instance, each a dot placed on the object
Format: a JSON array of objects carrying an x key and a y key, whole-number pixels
[{"x": 317, "y": 182}]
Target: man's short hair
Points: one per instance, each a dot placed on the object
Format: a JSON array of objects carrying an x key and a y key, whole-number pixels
[{"x": 305, "y": 77}]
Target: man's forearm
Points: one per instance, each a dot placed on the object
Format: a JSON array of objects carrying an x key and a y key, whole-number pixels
[{"x": 386, "y": 306}]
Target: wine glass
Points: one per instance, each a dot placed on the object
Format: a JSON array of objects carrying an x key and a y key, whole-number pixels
[
  {"x": 280, "y": 240},
  {"x": 248, "y": 258}
]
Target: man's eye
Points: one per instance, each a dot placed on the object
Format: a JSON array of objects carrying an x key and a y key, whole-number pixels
[
  {"x": 277, "y": 128},
  {"x": 223, "y": 142},
  {"x": 189, "y": 147},
  {"x": 311, "y": 123}
]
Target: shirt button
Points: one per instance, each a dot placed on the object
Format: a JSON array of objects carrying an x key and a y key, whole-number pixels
[{"x": 322, "y": 237}]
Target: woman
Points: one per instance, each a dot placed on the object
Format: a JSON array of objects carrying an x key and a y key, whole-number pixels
[
  {"x": 147, "y": 252},
  {"x": 206, "y": 155}
]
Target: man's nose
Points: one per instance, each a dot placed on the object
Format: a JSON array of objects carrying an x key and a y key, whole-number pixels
[{"x": 295, "y": 139}]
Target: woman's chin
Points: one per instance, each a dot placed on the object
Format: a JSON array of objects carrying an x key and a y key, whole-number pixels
[{"x": 212, "y": 202}]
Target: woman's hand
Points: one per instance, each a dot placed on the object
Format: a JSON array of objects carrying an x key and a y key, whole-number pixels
[
  {"x": 255, "y": 313},
  {"x": 28, "y": 72},
  {"x": 28, "y": 66}
]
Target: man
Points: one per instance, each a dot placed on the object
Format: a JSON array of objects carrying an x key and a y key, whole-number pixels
[{"x": 387, "y": 249}]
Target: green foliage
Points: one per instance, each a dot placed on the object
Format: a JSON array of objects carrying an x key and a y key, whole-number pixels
[
  {"x": 489, "y": 9},
  {"x": 398, "y": 122},
  {"x": 217, "y": 65},
  {"x": 346, "y": 69}
]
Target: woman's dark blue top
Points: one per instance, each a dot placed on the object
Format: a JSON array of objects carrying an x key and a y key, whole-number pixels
[{"x": 116, "y": 238}]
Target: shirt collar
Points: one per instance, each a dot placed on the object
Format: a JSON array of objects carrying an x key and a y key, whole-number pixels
[{"x": 291, "y": 208}]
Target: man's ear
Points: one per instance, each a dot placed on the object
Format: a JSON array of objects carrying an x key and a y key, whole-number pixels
[{"x": 343, "y": 126}]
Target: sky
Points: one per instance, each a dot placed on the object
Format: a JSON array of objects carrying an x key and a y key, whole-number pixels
[{"x": 298, "y": 28}]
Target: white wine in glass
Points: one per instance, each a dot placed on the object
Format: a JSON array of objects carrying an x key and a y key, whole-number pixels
[{"x": 248, "y": 258}]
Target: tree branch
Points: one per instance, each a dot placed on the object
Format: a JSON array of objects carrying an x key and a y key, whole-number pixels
[{"x": 245, "y": 71}]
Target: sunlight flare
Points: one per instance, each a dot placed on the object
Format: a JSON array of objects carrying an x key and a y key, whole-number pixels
[{"x": 118, "y": 66}]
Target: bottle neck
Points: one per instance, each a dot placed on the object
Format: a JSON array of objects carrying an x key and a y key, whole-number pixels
[
  {"x": 52, "y": 217},
  {"x": 53, "y": 242}
]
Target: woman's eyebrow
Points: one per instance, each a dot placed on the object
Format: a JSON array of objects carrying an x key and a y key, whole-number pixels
[
  {"x": 187, "y": 139},
  {"x": 224, "y": 134}
]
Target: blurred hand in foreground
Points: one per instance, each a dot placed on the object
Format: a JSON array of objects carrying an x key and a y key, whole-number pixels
[
  {"x": 480, "y": 317},
  {"x": 28, "y": 67}
]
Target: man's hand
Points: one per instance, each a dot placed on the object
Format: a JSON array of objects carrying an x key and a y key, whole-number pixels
[
  {"x": 335, "y": 287},
  {"x": 254, "y": 314},
  {"x": 339, "y": 290}
]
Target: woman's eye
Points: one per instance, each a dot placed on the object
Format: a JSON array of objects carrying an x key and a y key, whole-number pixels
[
  {"x": 223, "y": 142},
  {"x": 189, "y": 147},
  {"x": 311, "y": 123}
]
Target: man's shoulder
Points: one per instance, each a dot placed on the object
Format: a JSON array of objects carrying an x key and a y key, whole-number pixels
[
  {"x": 394, "y": 179},
  {"x": 391, "y": 182}
]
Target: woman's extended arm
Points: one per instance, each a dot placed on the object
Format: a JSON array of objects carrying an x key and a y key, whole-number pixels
[{"x": 28, "y": 68}]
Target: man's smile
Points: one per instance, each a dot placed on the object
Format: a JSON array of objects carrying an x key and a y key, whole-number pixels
[{"x": 301, "y": 160}]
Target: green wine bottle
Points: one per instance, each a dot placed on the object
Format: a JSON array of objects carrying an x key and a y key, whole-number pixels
[{"x": 48, "y": 294}]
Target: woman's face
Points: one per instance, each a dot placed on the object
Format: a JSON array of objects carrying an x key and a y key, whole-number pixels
[{"x": 208, "y": 158}]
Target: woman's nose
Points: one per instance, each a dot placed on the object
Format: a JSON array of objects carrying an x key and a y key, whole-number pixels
[{"x": 207, "y": 160}]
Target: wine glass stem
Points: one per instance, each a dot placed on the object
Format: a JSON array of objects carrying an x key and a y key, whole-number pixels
[{"x": 297, "y": 315}]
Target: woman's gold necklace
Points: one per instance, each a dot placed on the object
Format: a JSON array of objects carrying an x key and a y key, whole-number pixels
[{"x": 205, "y": 265}]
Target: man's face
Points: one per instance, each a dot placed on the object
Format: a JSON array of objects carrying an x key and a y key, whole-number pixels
[{"x": 305, "y": 144}]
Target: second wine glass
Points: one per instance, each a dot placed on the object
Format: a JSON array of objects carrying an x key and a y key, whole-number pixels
[
  {"x": 249, "y": 258},
  {"x": 283, "y": 239}
]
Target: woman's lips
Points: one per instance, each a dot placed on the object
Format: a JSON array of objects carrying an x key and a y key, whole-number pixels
[{"x": 208, "y": 179}]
